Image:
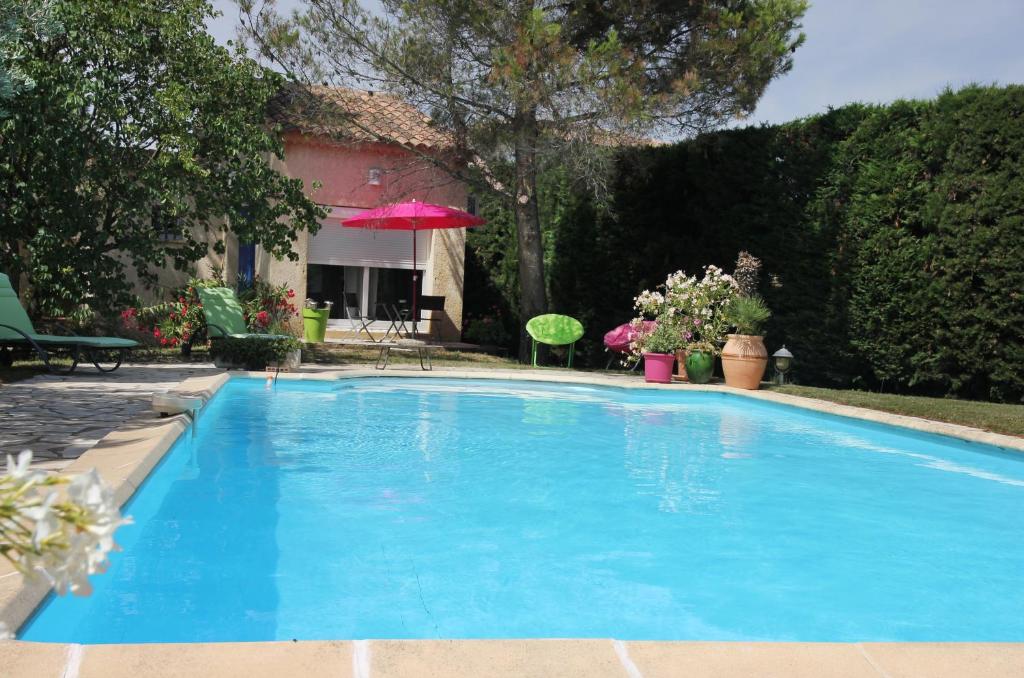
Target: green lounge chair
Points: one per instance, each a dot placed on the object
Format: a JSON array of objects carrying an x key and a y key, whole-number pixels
[
  {"x": 16, "y": 330},
  {"x": 224, "y": 316},
  {"x": 554, "y": 330}
]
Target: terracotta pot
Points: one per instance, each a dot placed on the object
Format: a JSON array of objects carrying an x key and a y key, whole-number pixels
[
  {"x": 681, "y": 364},
  {"x": 744, "y": 360},
  {"x": 699, "y": 366},
  {"x": 658, "y": 367}
]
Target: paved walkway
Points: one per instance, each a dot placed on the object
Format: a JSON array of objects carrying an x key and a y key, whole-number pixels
[{"x": 59, "y": 417}]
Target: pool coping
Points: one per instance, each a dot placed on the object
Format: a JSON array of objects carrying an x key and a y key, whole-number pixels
[
  {"x": 126, "y": 456},
  {"x": 965, "y": 433}
]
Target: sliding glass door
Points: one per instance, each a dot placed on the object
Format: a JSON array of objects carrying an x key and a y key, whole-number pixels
[{"x": 372, "y": 287}]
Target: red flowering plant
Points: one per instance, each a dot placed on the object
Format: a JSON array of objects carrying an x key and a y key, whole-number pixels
[
  {"x": 182, "y": 319},
  {"x": 136, "y": 323},
  {"x": 179, "y": 322},
  {"x": 269, "y": 308}
]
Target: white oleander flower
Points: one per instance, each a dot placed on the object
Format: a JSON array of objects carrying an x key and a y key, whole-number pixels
[{"x": 62, "y": 540}]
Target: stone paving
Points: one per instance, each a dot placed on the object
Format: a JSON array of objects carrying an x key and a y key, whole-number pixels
[{"x": 60, "y": 417}]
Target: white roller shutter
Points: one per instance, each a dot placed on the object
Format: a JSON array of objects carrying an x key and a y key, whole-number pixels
[{"x": 335, "y": 245}]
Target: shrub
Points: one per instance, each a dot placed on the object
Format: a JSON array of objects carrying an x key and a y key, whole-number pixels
[
  {"x": 252, "y": 353},
  {"x": 667, "y": 337},
  {"x": 892, "y": 235}
]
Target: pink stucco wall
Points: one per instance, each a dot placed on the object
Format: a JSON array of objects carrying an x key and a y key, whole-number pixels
[
  {"x": 338, "y": 175},
  {"x": 343, "y": 171}
]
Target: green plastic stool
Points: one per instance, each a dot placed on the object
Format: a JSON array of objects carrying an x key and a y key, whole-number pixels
[{"x": 554, "y": 330}]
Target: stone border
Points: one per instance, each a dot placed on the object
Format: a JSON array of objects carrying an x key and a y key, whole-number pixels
[
  {"x": 542, "y": 658},
  {"x": 966, "y": 433},
  {"x": 125, "y": 458}
]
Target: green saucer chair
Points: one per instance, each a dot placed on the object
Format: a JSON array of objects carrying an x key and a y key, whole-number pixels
[{"x": 554, "y": 330}]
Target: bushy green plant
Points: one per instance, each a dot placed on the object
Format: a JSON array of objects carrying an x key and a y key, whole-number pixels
[
  {"x": 486, "y": 331},
  {"x": 667, "y": 337},
  {"x": 747, "y": 314},
  {"x": 252, "y": 353}
]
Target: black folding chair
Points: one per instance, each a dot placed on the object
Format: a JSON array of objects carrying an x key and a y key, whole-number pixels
[
  {"x": 402, "y": 312},
  {"x": 435, "y": 304}
]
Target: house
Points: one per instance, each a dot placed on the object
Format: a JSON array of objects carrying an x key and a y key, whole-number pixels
[{"x": 356, "y": 150}]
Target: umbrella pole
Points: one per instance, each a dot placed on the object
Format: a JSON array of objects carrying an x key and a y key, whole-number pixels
[{"x": 414, "y": 276}]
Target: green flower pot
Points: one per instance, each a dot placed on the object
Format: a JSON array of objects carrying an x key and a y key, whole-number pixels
[
  {"x": 314, "y": 322},
  {"x": 699, "y": 366}
]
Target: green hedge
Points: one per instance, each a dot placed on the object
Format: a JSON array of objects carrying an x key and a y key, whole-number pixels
[{"x": 895, "y": 235}]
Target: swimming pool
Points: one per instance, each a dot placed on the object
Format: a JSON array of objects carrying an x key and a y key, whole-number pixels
[{"x": 437, "y": 508}]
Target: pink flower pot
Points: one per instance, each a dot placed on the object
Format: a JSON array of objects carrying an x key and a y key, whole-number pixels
[{"x": 658, "y": 367}]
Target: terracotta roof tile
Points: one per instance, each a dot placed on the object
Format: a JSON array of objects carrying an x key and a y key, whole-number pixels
[{"x": 356, "y": 115}]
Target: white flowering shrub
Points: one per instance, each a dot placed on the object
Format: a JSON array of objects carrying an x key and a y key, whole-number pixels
[
  {"x": 56, "y": 528},
  {"x": 695, "y": 307}
]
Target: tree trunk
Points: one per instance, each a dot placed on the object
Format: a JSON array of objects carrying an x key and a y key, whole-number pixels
[{"x": 532, "y": 290}]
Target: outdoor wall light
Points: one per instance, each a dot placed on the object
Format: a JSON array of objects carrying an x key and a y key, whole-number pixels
[
  {"x": 783, "y": 360},
  {"x": 375, "y": 176}
]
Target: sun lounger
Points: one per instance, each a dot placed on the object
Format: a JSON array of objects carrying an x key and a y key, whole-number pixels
[
  {"x": 224, "y": 316},
  {"x": 422, "y": 348},
  {"x": 16, "y": 330}
]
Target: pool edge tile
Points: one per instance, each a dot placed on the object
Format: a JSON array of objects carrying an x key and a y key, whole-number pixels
[
  {"x": 541, "y": 658},
  {"x": 309, "y": 659},
  {"x": 947, "y": 660},
  {"x": 699, "y": 659},
  {"x": 20, "y": 659}
]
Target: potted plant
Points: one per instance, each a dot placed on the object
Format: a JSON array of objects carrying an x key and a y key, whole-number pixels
[
  {"x": 701, "y": 318},
  {"x": 692, "y": 311},
  {"x": 659, "y": 351},
  {"x": 745, "y": 358}
]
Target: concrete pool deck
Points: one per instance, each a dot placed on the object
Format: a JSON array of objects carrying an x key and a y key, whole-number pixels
[{"x": 125, "y": 456}]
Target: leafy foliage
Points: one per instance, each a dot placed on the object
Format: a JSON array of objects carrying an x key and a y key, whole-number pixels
[
  {"x": 251, "y": 352},
  {"x": 18, "y": 21},
  {"x": 141, "y": 142},
  {"x": 667, "y": 337}
]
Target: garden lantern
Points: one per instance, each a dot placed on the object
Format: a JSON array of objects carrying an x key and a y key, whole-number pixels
[{"x": 783, "y": 360}]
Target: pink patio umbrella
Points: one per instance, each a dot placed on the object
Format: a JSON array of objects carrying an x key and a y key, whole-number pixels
[{"x": 413, "y": 216}]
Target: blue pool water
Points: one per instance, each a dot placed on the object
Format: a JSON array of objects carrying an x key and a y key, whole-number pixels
[{"x": 410, "y": 508}]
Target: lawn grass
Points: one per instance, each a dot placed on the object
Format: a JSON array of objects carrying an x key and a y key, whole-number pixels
[{"x": 995, "y": 417}]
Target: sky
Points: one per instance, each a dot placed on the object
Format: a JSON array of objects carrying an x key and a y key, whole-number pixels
[{"x": 871, "y": 51}]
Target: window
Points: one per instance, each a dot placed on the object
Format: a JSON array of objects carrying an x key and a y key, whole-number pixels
[{"x": 169, "y": 227}]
